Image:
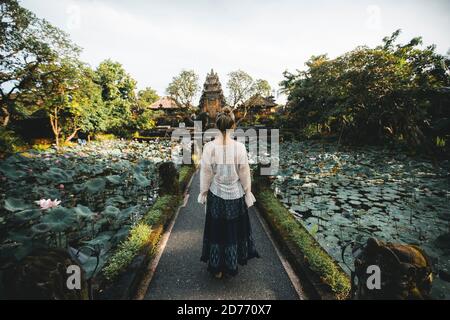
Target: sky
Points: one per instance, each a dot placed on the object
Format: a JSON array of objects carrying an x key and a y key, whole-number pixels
[{"x": 155, "y": 40}]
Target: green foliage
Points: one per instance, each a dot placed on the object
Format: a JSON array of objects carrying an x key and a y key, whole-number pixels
[
  {"x": 117, "y": 91},
  {"x": 41, "y": 146},
  {"x": 28, "y": 45},
  {"x": 127, "y": 250},
  {"x": 72, "y": 100},
  {"x": 147, "y": 119},
  {"x": 392, "y": 92},
  {"x": 240, "y": 87},
  {"x": 104, "y": 136},
  {"x": 184, "y": 88},
  {"x": 184, "y": 173},
  {"x": 262, "y": 87},
  {"x": 318, "y": 260},
  {"x": 9, "y": 141},
  {"x": 146, "y": 97},
  {"x": 139, "y": 236}
]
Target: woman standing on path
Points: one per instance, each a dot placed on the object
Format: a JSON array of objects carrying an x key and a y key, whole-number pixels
[{"x": 225, "y": 187}]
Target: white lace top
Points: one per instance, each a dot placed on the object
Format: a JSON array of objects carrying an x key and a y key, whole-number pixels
[{"x": 224, "y": 170}]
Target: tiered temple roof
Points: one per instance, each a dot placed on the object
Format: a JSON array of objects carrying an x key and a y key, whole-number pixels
[{"x": 212, "y": 90}]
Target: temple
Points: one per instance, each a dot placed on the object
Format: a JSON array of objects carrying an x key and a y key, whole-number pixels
[{"x": 212, "y": 99}]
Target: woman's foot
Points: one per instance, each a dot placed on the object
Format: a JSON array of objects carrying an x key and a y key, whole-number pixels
[{"x": 218, "y": 275}]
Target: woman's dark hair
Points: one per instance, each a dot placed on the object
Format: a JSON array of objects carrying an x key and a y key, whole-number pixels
[{"x": 225, "y": 120}]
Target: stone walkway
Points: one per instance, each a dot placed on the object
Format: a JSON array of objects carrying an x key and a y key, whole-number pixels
[{"x": 181, "y": 275}]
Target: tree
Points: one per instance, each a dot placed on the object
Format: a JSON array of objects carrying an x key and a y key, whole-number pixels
[
  {"x": 28, "y": 45},
  {"x": 118, "y": 94},
  {"x": 393, "y": 92},
  {"x": 184, "y": 88},
  {"x": 262, "y": 88},
  {"x": 240, "y": 87},
  {"x": 88, "y": 112},
  {"x": 71, "y": 99},
  {"x": 146, "y": 97},
  {"x": 145, "y": 118}
]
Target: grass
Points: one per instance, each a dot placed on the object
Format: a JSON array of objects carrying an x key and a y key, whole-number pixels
[
  {"x": 147, "y": 232},
  {"x": 127, "y": 250},
  {"x": 316, "y": 257},
  {"x": 141, "y": 235},
  {"x": 185, "y": 174}
]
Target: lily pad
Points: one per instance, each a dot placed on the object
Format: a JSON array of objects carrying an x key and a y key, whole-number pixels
[
  {"x": 41, "y": 228},
  {"x": 111, "y": 211},
  {"x": 141, "y": 180},
  {"x": 13, "y": 174},
  {"x": 59, "y": 219},
  {"x": 57, "y": 175},
  {"x": 83, "y": 211},
  {"x": 115, "y": 200},
  {"x": 14, "y": 204},
  {"x": 28, "y": 214},
  {"x": 114, "y": 179},
  {"x": 126, "y": 213},
  {"x": 101, "y": 240},
  {"x": 95, "y": 185}
]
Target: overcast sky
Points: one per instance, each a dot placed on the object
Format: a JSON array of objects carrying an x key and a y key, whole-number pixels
[{"x": 155, "y": 40}]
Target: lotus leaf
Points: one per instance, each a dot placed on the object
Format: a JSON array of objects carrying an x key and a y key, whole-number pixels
[
  {"x": 126, "y": 213},
  {"x": 14, "y": 204},
  {"x": 111, "y": 211},
  {"x": 59, "y": 219},
  {"x": 28, "y": 214},
  {"x": 77, "y": 188},
  {"x": 115, "y": 200},
  {"x": 14, "y": 174},
  {"x": 57, "y": 175},
  {"x": 45, "y": 192},
  {"x": 83, "y": 211},
  {"x": 141, "y": 180},
  {"x": 114, "y": 179},
  {"x": 101, "y": 240},
  {"x": 41, "y": 228},
  {"x": 95, "y": 185},
  {"x": 21, "y": 235}
]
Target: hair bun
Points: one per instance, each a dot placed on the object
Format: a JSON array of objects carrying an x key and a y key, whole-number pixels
[{"x": 226, "y": 110}]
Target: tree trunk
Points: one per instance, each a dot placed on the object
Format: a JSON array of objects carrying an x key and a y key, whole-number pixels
[
  {"x": 6, "y": 118},
  {"x": 55, "y": 126},
  {"x": 72, "y": 135}
]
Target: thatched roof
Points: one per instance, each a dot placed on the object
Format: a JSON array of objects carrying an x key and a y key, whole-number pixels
[
  {"x": 260, "y": 101},
  {"x": 164, "y": 103}
]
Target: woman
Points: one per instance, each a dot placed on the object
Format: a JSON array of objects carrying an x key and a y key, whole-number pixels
[{"x": 225, "y": 186}]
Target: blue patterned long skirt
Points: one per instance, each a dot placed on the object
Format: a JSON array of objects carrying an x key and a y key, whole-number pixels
[{"x": 227, "y": 238}]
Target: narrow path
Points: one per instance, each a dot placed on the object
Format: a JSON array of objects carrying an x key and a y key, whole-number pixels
[{"x": 181, "y": 275}]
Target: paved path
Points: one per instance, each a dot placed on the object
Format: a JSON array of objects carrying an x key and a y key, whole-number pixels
[{"x": 181, "y": 275}]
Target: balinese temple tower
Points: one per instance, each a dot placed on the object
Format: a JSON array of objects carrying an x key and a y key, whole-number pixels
[{"x": 212, "y": 100}]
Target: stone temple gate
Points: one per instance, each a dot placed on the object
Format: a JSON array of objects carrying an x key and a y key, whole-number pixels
[{"x": 212, "y": 99}]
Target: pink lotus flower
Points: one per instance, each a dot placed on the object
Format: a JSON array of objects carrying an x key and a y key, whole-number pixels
[
  {"x": 48, "y": 203},
  {"x": 61, "y": 186}
]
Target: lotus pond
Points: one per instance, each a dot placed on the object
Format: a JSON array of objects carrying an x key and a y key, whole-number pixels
[
  {"x": 356, "y": 193},
  {"x": 103, "y": 187}
]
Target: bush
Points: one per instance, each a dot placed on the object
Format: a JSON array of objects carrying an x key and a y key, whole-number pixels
[
  {"x": 10, "y": 142},
  {"x": 127, "y": 250},
  {"x": 140, "y": 235},
  {"x": 104, "y": 136}
]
